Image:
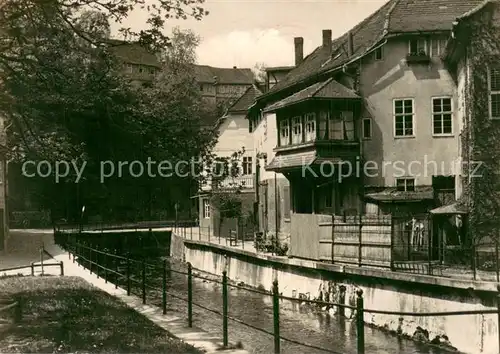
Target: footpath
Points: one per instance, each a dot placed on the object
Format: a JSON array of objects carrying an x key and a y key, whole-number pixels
[{"x": 174, "y": 323}]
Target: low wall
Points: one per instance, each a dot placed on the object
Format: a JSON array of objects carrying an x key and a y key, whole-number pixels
[{"x": 405, "y": 293}]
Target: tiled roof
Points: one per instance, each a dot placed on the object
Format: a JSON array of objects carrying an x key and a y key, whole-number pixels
[
  {"x": 206, "y": 74},
  {"x": 394, "y": 17},
  {"x": 393, "y": 195},
  {"x": 325, "y": 89},
  {"x": 245, "y": 100},
  {"x": 299, "y": 159},
  {"x": 133, "y": 53}
]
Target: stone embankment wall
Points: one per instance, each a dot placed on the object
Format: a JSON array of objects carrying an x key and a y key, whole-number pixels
[{"x": 467, "y": 333}]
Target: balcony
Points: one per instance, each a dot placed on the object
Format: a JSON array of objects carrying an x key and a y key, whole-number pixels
[
  {"x": 418, "y": 58},
  {"x": 244, "y": 182}
]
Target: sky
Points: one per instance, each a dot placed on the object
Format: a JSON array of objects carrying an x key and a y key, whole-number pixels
[{"x": 243, "y": 33}]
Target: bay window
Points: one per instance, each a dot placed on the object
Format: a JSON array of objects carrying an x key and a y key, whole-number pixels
[
  {"x": 296, "y": 130},
  {"x": 310, "y": 128}
]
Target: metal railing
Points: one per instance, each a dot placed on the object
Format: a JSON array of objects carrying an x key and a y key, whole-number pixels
[{"x": 98, "y": 262}]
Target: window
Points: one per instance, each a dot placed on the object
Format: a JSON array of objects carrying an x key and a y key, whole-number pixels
[
  {"x": 438, "y": 47},
  {"x": 335, "y": 127},
  {"x": 284, "y": 132},
  {"x": 442, "y": 116},
  {"x": 418, "y": 46},
  {"x": 494, "y": 92},
  {"x": 378, "y": 53},
  {"x": 310, "y": 127},
  {"x": 348, "y": 120},
  {"x": 206, "y": 208},
  {"x": 247, "y": 165},
  {"x": 405, "y": 184},
  {"x": 367, "y": 128},
  {"x": 297, "y": 130},
  {"x": 403, "y": 117}
]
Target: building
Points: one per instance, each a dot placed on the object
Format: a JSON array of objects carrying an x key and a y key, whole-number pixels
[
  {"x": 140, "y": 65},
  {"x": 475, "y": 68},
  {"x": 364, "y": 125},
  {"x": 223, "y": 85},
  {"x": 275, "y": 75},
  {"x": 234, "y": 135}
]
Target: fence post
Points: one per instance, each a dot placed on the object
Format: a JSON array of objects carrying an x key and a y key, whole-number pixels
[
  {"x": 97, "y": 262},
  {"x": 473, "y": 260},
  {"x": 61, "y": 264},
  {"x": 360, "y": 322},
  {"x": 75, "y": 248},
  {"x": 341, "y": 311},
  {"x": 498, "y": 314},
  {"x": 32, "y": 269},
  {"x": 90, "y": 258},
  {"x": 190, "y": 295},
  {"x": 41, "y": 258},
  {"x": 360, "y": 250},
  {"x": 105, "y": 267},
  {"x": 276, "y": 317},
  {"x": 208, "y": 233},
  {"x": 143, "y": 281},
  {"x": 164, "y": 287},
  {"x": 116, "y": 268},
  {"x": 333, "y": 239},
  {"x": 191, "y": 232},
  {"x": 224, "y": 309},
  {"x": 496, "y": 261},
  {"x": 128, "y": 274},
  {"x": 392, "y": 242}
]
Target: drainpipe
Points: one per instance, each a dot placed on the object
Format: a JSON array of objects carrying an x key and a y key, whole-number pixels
[{"x": 276, "y": 207}]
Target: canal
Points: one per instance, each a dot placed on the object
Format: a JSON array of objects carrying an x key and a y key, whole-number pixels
[{"x": 299, "y": 322}]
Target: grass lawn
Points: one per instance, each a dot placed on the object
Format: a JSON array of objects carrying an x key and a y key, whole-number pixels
[{"x": 68, "y": 315}]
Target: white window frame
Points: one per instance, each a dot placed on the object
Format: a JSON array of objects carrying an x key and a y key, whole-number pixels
[
  {"x": 284, "y": 138},
  {"x": 394, "y": 115},
  {"x": 424, "y": 40},
  {"x": 298, "y": 125},
  {"x": 363, "y": 128},
  {"x": 206, "y": 209},
  {"x": 406, "y": 179},
  {"x": 491, "y": 93},
  {"x": 439, "y": 41},
  {"x": 441, "y": 114},
  {"x": 310, "y": 127},
  {"x": 247, "y": 165}
]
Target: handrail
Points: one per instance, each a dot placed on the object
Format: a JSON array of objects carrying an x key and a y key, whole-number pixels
[
  {"x": 282, "y": 297},
  {"x": 358, "y": 310}
]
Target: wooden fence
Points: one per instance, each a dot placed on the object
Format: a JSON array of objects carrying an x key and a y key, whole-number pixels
[{"x": 360, "y": 240}]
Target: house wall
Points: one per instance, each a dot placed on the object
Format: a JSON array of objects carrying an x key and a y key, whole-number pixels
[
  {"x": 462, "y": 73},
  {"x": 385, "y": 80},
  {"x": 233, "y": 135},
  {"x": 214, "y": 92},
  {"x": 265, "y": 137}
]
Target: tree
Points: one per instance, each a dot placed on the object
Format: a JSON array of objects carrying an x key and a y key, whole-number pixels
[
  {"x": 259, "y": 71},
  {"x": 64, "y": 93}
]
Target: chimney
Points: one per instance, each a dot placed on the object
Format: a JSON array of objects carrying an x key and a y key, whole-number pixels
[
  {"x": 350, "y": 44},
  {"x": 327, "y": 39},
  {"x": 299, "y": 50}
]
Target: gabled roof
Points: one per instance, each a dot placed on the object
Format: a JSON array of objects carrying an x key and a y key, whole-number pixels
[
  {"x": 133, "y": 53},
  {"x": 325, "y": 89},
  {"x": 393, "y": 18},
  {"x": 245, "y": 100},
  {"x": 207, "y": 74}
]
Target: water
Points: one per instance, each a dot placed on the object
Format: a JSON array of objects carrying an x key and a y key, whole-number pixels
[{"x": 297, "y": 322}]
